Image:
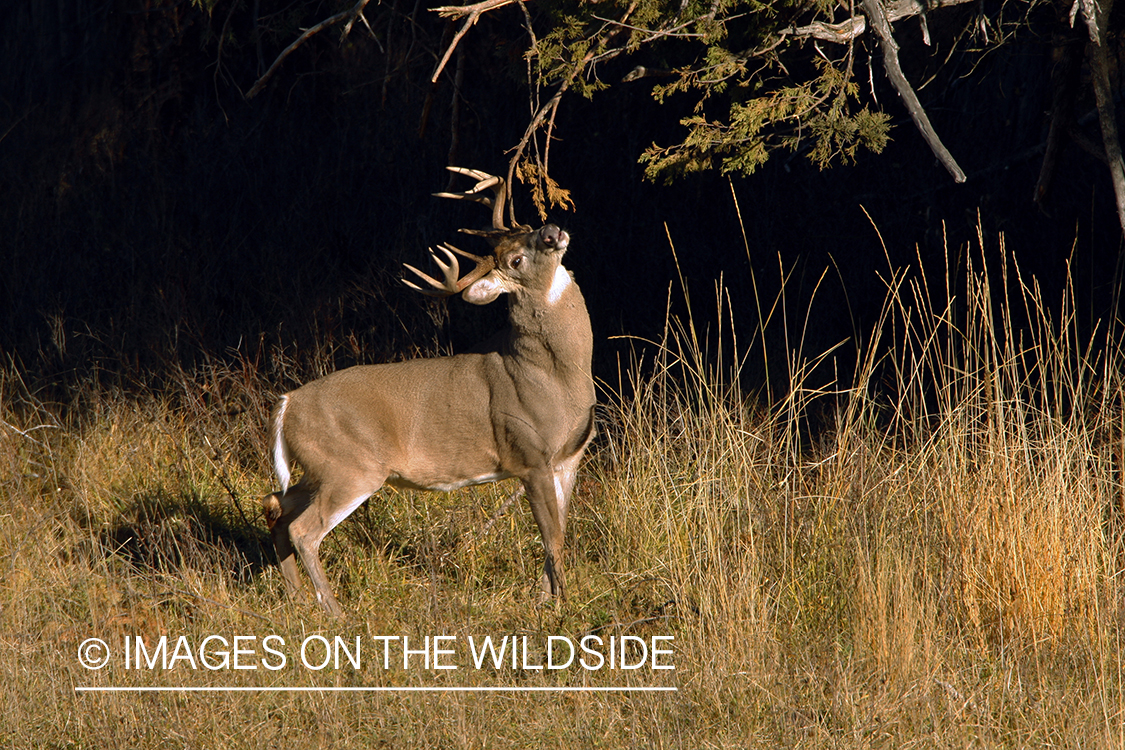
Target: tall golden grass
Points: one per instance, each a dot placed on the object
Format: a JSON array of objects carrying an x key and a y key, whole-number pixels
[{"x": 923, "y": 551}]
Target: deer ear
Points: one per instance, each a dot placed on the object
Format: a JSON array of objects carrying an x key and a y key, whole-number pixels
[{"x": 485, "y": 290}]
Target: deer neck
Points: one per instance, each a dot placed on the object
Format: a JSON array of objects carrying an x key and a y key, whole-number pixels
[{"x": 550, "y": 329}]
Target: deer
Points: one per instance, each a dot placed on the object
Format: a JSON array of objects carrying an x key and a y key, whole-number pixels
[{"x": 519, "y": 405}]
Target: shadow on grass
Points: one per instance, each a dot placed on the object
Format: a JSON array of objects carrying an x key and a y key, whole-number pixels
[{"x": 168, "y": 533}]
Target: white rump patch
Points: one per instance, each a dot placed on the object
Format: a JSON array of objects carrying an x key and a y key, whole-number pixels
[
  {"x": 558, "y": 285},
  {"x": 280, "y": 449}
]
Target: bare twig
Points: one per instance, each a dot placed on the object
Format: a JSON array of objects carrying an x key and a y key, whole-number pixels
[
  {"x": 1064, "y": 82},
  {"x": 654, "y": 34},
  {"x": 474, "y": 12},
  {"x": 219, "y": 60},
  {"x": 1092, "y": 147},
  {"x": 213, "y": 603},
  {"x": 20, "y": 119},
  {"x": 27, "y": 434},
  {"x": 349, "y": 16},
  {"x": 882, "y": 27},
  {"x": 512, "y": 499},
  {"x": 533, "y": 126}
]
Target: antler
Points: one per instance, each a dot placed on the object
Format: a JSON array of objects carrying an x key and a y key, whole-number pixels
[
  {"x": 485, "y": 264},
  {"x": 451, "y": 270},
  {"x": 485, "y": 181}
]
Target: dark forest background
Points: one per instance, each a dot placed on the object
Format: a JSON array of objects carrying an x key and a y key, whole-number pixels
[{"x": 153, "y": 217}]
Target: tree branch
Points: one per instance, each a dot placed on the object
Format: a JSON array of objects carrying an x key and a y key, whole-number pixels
[
  {"x": 1099, "y": 71},
  {"x": 552, "y": 104},
  {"x": 1064, "y": 82},
  {"x": 350, "y": 16},
  {"x": 882, "y": 27},
  {"x": 536, "y": 121},
  {"x": 474, "y": 12},
  {"x": 856, "y": 26}
]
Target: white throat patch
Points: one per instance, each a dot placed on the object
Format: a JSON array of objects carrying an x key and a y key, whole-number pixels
[{"x": 558, "y": 285}]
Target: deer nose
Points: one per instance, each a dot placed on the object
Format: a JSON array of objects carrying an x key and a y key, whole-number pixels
[{"x": 553, "y": 237}]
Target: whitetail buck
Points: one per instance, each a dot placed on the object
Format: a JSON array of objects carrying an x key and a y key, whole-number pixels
[{"x": 521, "y": 405}]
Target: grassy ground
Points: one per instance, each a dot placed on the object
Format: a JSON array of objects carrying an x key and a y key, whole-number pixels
[{"x": 930, "y": 556}]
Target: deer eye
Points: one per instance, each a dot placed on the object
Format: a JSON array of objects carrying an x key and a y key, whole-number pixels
[{"x": 516, "y": 261}]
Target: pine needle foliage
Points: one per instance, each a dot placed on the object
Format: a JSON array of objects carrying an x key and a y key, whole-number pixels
[{"x": 754, "y": 84}]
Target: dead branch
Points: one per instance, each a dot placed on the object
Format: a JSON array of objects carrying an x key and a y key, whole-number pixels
[
  {"x": 856, "y": 26},
  {"x": 882, "y": 26},
  {"x": 1099, "y": 71},
  {"x": 654, "y": 34},
  {"x": 350, "y": 16},
  {"x": 1064, "y": 83},
  {"x": 474, "y": 12},
  {"x": 1092, "y": 147}
]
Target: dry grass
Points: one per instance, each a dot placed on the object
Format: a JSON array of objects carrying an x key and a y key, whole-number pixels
[{"x": 930, "y": 556}]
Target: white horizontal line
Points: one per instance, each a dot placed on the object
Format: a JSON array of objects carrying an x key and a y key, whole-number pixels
[{"x": 81, "y": 689}]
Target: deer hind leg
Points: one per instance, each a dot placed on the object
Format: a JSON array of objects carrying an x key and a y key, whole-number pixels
[
  {"x": 280, "y": 511},
  {"x": 543, "y": 491},
  {"x": 307, "y": 531}
]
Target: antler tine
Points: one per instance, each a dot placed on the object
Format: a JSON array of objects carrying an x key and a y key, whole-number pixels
[
  {"x": 485, "y": 181},
  {"x": 450, "y": 271}
]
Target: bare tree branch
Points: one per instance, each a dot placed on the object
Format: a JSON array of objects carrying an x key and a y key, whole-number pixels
[
  {"x": 350, "y": 16},
  {"x": 1064, "y": 85},
  {"x": 882, "y": 27},
  {"x": 1096, "y": 18},
  {"x": 856, "y": 26},
  {"x": 474, "y": 12}
]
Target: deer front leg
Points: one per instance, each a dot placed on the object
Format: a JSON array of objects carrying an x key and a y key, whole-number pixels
[
  {"x": 566, "y": 474},
  {"x": 542, "y": 495}
]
